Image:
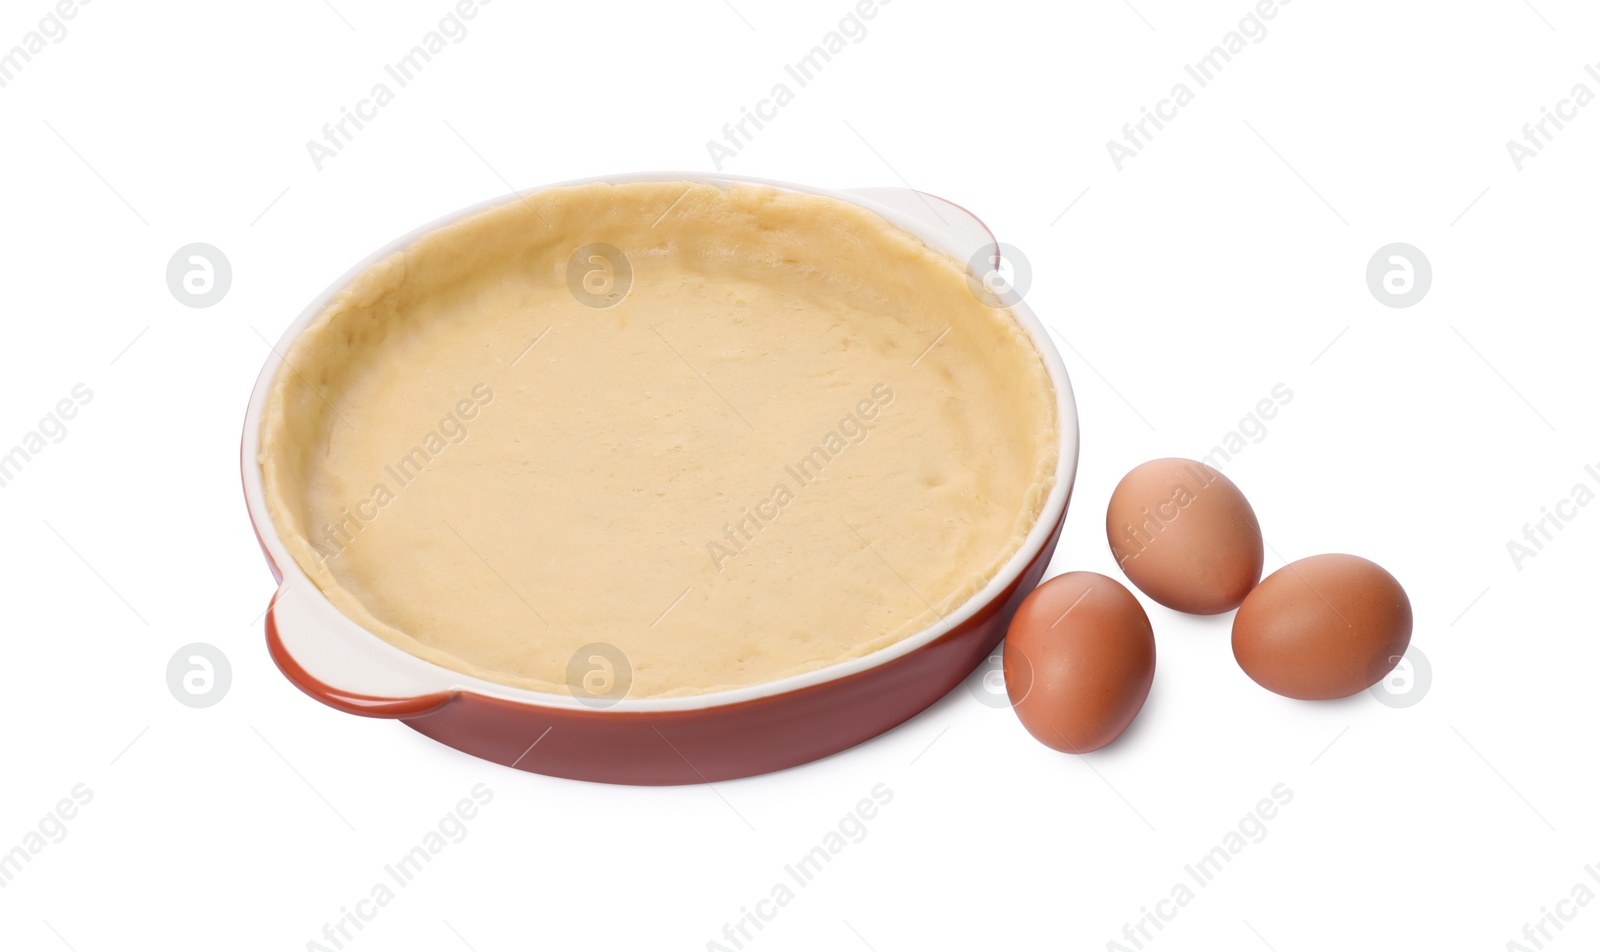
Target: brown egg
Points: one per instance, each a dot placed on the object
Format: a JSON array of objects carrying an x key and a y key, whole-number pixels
[
  {"x": 1185, "y": 535},
  {"x": 1324, "y": 627},
  {"x": 1078, "y": 661}
]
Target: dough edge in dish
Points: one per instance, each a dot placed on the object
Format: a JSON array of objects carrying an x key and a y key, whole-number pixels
[{"x": 298, "y": 403}]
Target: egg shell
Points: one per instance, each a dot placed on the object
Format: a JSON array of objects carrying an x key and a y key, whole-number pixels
[
  {"x": 1079, "y": 659},
  {"x": 1324, "y": 627},
  {"x": 1185, "y": 535}
]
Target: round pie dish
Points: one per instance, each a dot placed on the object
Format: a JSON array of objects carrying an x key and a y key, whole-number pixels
[{"x": 760, "y": 685}]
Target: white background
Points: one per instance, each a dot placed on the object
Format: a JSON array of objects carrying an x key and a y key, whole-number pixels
[{"x": 1227, "y": 258}]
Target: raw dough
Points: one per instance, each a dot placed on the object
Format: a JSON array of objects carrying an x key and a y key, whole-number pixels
[{"x": 798, "y": 437}]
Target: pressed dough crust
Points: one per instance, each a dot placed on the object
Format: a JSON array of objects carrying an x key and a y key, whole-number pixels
[{"x": 490, "y": 474}]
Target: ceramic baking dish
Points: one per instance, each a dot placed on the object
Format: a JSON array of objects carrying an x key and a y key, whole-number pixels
[{"x": 703, "y": 738}]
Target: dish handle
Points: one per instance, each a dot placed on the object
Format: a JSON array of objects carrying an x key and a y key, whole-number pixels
[{"x": 311, "y": 644}]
